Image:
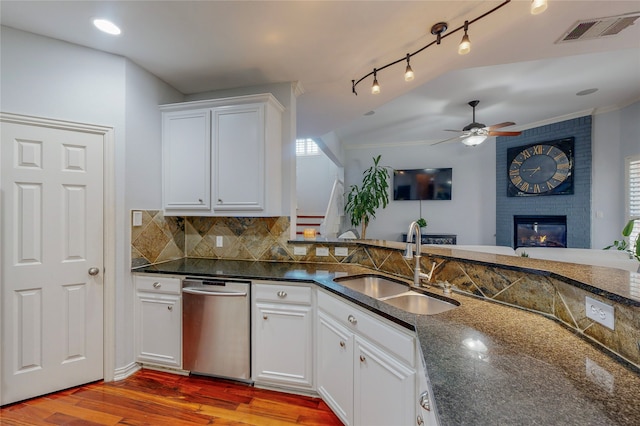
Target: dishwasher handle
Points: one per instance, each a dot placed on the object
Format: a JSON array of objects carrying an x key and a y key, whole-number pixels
[{"x": 193, "y": 290}]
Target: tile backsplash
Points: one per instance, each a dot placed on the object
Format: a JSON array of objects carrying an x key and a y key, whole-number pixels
[{"x": 161, "y": 238}]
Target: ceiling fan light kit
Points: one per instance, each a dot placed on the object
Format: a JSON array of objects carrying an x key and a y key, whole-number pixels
[{"x": 438, "y": 29}]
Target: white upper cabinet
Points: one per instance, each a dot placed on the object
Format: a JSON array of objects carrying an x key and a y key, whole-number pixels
[
  {"x": 186, "y": 153},
  {"x": 223, "y": 156}
]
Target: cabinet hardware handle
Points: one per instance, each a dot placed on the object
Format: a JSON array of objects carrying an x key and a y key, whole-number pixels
[
  {"x": 362, "y": 358},
  {"x": 419, "y": 420},
  {"x": 157, "y": 285},
  {"x": 352, "y": 319},
  {"x": 264, "y": 317},
  {"x": 282, "y": 294},
  {"x": 342, "y": 343},
  {"x": 219, "y": 201},
  {"x": 200, "y": 200},
  {"x": 424, "y": 401},
  {"x": 170, "y": 308}
]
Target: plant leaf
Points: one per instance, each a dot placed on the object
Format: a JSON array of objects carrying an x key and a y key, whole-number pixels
[{"x": 628, "y": 228}]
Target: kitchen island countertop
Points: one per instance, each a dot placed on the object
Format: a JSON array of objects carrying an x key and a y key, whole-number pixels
[{"x": 487, "y": 363}]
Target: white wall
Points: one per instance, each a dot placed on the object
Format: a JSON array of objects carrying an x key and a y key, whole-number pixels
[
  {"x": 315, "y": 177},
  {"x": 615, "y": 136},
  {"x": 48, "y": 78},
  {"x": 471, "y": 212}
]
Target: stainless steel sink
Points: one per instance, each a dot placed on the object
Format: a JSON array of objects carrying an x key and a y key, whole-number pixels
[
  {"x": 396, "y": 293},
  {"x": 373, "y": 285},
  {"x": 418, "y": 303}
]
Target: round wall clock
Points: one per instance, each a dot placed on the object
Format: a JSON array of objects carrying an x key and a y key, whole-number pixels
[{"x": 541, "y": 169}]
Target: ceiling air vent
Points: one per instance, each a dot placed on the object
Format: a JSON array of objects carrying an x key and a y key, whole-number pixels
[{"x": 599, "y": 27}]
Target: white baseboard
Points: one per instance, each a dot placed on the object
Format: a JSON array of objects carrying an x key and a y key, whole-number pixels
[{"x": 126, "y": 371}]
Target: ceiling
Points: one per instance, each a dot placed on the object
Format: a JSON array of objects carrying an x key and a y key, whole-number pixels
[{"x": 516, "y": 69}]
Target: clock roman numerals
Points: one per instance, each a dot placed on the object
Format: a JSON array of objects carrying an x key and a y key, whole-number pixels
[{"x": 539, "y": 169}]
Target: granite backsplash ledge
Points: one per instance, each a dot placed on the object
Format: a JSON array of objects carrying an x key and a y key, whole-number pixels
[{"x": 161, "y": 238}]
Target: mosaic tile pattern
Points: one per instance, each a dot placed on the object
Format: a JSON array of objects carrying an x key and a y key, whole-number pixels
[{"x": 267, "y": 239}]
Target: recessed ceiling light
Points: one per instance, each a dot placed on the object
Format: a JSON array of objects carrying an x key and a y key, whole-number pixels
[
  {"x": 106, "y": 26},
  {"x": 586, "y": 92}
]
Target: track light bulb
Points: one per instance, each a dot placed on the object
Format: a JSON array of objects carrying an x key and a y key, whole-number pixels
[
  {"x": 375, "y": 89},
  {"x": 538, "y": 6},
  {"x": 465, "y": 44},
  {"x": 408, "y": 74}
]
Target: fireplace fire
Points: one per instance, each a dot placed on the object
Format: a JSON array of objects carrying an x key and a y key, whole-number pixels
[{"x": 539, "y": 231}]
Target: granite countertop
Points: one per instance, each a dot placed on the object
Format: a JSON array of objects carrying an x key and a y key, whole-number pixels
[{"x": 487, "y": 363}]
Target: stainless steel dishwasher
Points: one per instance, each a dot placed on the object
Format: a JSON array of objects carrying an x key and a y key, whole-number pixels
[{"x": 216, "y": 328}]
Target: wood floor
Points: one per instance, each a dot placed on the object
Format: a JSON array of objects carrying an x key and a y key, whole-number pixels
[{"x": 157, "y": 398}]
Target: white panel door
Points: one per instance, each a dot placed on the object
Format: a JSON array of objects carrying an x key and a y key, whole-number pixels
[{"x": 52, "y": 236}]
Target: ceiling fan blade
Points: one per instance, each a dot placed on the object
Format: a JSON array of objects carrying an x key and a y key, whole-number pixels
[
  {"x": 449, "y": 140},
  {"x": 493, "y": 133},
  {"x": 451, "y": 130},
  {"x": 501, "y": 125}
]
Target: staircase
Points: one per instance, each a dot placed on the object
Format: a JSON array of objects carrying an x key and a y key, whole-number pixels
[{"x": 308, "y": 220}]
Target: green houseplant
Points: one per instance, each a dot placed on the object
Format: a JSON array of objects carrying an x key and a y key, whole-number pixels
[
  {"x": 363, "y": 201},
  {"x": 633, "y": 247}
]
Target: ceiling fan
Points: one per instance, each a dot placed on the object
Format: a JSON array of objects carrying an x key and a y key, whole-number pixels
[{"x": 475, "y": 133}]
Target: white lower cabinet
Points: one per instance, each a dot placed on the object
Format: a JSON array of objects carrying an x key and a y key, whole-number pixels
[
  {"x": 383, "y": 387},
  {"x": 158, "y": 320},
  {"x": 283, "y": 335},
  {"x": 365, "y": 366}
]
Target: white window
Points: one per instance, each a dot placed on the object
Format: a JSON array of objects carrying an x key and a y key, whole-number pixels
[
  {"x": 306, "y": 147},
  {"x": 632, "y": 191}
]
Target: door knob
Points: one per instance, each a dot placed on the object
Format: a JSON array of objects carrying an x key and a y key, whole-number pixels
[{"x": 94, "y": 271}]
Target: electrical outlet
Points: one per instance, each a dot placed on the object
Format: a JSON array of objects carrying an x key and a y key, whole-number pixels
[
  {"x": 600, "y": 312},
  {"x": 299, "y": 250},
  {"x": 322, "y": 251},
  {"x": 137, "y": 218},
  {"x": 219, "y": 241},
  {"x": 341, "y": 251}
]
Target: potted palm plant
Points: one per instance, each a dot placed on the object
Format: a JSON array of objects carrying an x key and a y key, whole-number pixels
[{"x": 363, "y": 201}]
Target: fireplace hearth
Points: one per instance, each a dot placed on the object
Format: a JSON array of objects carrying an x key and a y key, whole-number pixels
[{"x": 539, "y": 231}]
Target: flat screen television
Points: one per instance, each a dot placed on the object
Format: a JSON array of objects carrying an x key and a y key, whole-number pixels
[{"x": 422, "y": 184}]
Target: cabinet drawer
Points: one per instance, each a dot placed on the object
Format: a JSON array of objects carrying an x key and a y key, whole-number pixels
[
  {"x": 366, "y": 324},
  {"x": 157, "y": 284},
  {"x": 282, "y": 293}
]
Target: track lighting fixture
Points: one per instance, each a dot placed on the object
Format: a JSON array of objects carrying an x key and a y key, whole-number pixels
[
  {"x": 465, "y": 44},
  {"x": 538, "y": 6},
  {"x": 408, "y": 73},
  {"x": 375, "y": 89},
  {"x": 438, "y": 29}
]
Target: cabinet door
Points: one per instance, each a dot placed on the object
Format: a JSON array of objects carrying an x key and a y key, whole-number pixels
[
  {"x": 334, "y": 358},
  {"x": 239, "y": 157},
  {"x": 384, "y": 388},
  {"x": 186, "y": 152},
  {"x": 159, "y": 329},
  {"x": 284, "y": 345}
]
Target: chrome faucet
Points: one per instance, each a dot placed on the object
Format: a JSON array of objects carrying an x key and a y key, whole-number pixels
[{"x": 418, "y": 275}]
